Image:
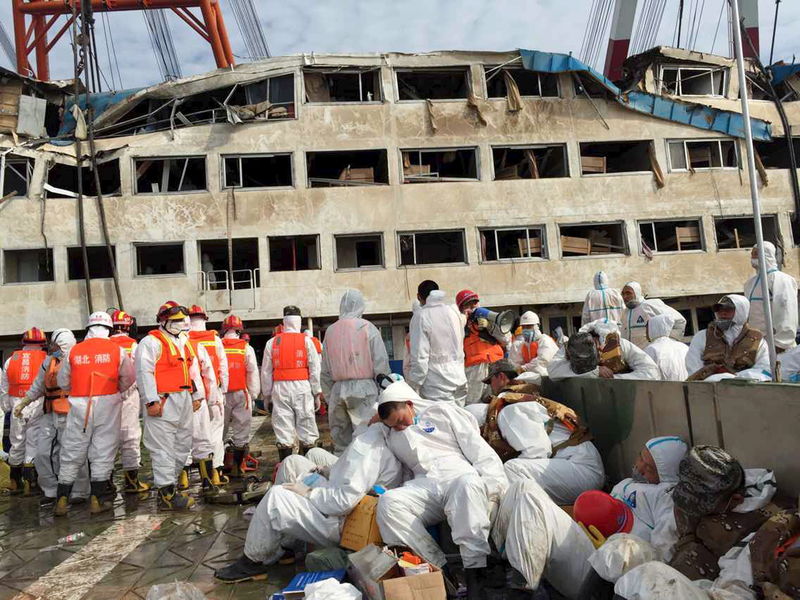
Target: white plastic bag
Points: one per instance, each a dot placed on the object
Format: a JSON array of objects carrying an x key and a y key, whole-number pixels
[
  {"x": 621, "y": 553},
  {"x": 330, "y": 589}
]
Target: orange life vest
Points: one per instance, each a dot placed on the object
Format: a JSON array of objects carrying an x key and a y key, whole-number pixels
[
  {"x": 94, "y": 368},
  {"x": 289, "y": 357},
  {"x": 529, "y": 351},
  {"x": 235, "y": 352},
  {"x": 172, "y": 366},
  {"x": 125, "y": 342},
  {"x": 55, "y": 399},
  {"x": 208, "y": 340},
  {"x": 317, "y": 344},
  {"x": 477, "y": 350},
  {"x": 23, "y": 367}
]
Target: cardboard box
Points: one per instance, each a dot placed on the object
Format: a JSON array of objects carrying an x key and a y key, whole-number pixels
[
  {"x": 368, "y": 568},
  {"x": 429, "y": 586},
  {"x": 360, "y": 527}
]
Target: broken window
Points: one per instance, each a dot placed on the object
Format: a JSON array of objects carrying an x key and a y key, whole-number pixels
[
  {"x": 508, "y": 243},
  {"x": 693, "y": 81},
  {"x": 294, "y": 253},
  {"x": 359, "y": 251},
  {"x": 702, "y": 154},
  {"x": 452, "y": 164},
  {"x": 257, "y": 171},
  {"x": 16, "y": 175},
  {"x": 214, "y": 263},
  {"x": 670, "y": 236},
  {"x": 593, "y": 239},
  {"x": 170, "y": 175},
  {"x": 159, "y": 259},
  {"x": 432, "y": 247},
  {"x": 63, "y": 179},
  {"x": 433, "y": 84},
  {"x": 530, "y": 83},
  {"x": 615, "y": 157},
  {"x": 587, "y": 86},
  {"x": 757, "y": 89},
  {"x": 97, "y": 257},
  {"x": 775, "y": 154},
  {"x": 28, "y": 266},
  {"x": 531, "y": 162},
  {"x": 739, "y": 232},
  {"x": 277, "y": 91},
  {"x": 342, "y": 85},
  {"x": 347, "y": 167}
]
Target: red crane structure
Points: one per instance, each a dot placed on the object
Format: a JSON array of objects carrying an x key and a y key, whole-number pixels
[{"x": 34, "y": 19}]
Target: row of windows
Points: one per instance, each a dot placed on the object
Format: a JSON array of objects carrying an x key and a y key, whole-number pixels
[
  {"x": 366, "y": 251},
  {"x": 181, "y": 174}
]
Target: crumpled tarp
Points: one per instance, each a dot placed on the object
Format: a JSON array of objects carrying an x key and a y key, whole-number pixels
[{"x": 100, "y": 102}]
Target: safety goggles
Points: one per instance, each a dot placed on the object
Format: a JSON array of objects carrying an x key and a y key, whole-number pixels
[{"x": 173, "y": 312}]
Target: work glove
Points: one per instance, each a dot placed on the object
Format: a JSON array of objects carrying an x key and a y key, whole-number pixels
[
  {"x": 21, "y": 407},
  {"x": 156, "y": 409},
  {"x": 482, "y": 323},
  {"x": 196, "y": 404},
  {"x": 597, "y": 538},
  {"x": 298, "y": 488},
  {"x": 317, "y": 402}
]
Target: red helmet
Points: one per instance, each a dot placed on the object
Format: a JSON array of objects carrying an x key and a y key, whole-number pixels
[
  {"x": 171, "y": 310},
  {"x": 34, "y": 335},
  {"x": 608, "y": 514},
  {"x": 232, "y": 322},
  {"x": 195, "y": 310},
  {"x": 465, "y": 296},
  {"x": 121, "y": 319}
]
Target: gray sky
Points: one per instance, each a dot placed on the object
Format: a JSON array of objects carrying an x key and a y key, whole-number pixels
[{"x": 293, "y": 26}]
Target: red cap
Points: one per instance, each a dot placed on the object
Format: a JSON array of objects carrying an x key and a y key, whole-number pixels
[
  {"x": 608, "y": 514},
  {"x": 465, "y": 296},
  {"x": 195, "y": 310}
]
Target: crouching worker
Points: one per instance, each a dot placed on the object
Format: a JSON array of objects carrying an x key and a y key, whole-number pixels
[
  {"x": 457, "y": 477},
  {"x": 296, "y": 511}
]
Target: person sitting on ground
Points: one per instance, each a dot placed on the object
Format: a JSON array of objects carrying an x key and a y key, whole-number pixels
[
  {"x": 729, "y": 347},
  {"x": 598, "y": 351},
  {"x": 668, "y": 354}
]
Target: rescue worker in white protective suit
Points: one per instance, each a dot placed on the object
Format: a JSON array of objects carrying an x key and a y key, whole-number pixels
[
  {"x": 603, "y": 302},
  {"x": 729, "y": 347},
  {"x": 783, "y": 297},
  {"x": 436, "y": 334},
  {"x": 94, "y": 372},
  {"x": 638, "y": 311},
  {"x": 290, "y": 380},
  {"x": 790, "y": 365},
  {"x": 553, "y": 447},
  {"x": 531, "y": 351},
  {"x": 598, "y": 351},
  {"x": 244, "y": 386},
  {"x": 131, "y": 431},
  {"x": 353, "y": 355},
  {"x": 668, "y": 354},
  {"x": 54, "y": 419},
  {"x": 17, "y": 376},
  {"x": 314, "y": 512},
  {"x": 457, "y": 477},
  {"x": 415, "y": 306},
  {"x": 171, "y": 389}
]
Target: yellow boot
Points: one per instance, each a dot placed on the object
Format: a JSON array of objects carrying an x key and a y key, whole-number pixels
[
  {"x": 101, "y": 499},
  {"x": 62, "y": 500},
  {"x": 207, "y": 473},
  {"x": 132, "y": 483},
  {"x": 183, "y": 480}
]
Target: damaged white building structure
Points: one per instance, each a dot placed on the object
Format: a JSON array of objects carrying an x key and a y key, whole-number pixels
[{"x": 285, "y": 181}]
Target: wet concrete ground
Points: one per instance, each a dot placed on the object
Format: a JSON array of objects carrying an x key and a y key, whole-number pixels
[{"x": 125, "y": 552}]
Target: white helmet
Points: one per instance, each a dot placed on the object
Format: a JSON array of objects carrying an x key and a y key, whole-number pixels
[
  {"x": 529, "y": 318},
  {"x": 100, "y": 318}
]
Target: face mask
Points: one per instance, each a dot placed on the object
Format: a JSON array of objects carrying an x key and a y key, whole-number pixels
[
  {"x": 723, "y": 324},
  {"x": 529, "y": 335},
  {"x": 632, "y": 304},
  {"x": 638, "y": 477},
  {"x": 174, "y": 327},
  {"x": 754, "y": 262},
  {"x": 58, "y": 353}
]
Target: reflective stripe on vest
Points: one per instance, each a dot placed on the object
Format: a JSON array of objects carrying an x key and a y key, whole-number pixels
[
  {"x": 94, "y": 368},
  {"x": 289, "y": 357},
  {"x": 55, "y": 399},
  {"x": 125, "y": 342},
  {"x": 172, "y": 366},
  {"x": 235, "y": 352},
  {"x": 23, "y": 367},
  {"x": 208, "y": 340},
  {"x": 477, "y": 350},
  {"x": 529, "y": 351}
]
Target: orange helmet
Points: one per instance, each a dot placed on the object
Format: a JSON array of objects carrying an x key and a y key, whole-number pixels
[
  {"x": 34, "y": 335},
  {"x": 195, "y": 310},
  {"x": 170, "y": 311},
  {"x": 232, "y": 322},
  {"x": 121, "y": 320}
]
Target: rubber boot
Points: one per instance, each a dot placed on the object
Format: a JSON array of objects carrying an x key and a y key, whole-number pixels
[
  {"x": 102, "y": 498},
  {"x": 227, "y": 460},
  {"x": 183, "y": 480},
  {"x": 236, "y": 468},
  {"x": 132, "y": 483},
  {"x": 15, "y": 483},
  {"x": 283, "y": 453},
  {"x": 243, "y": 569},
  {"x": 30, "y": 485},
  {"x": 207, "y": 472},
  {"x": 220, "y": 478},
  {"x": 169, "y": 499},
  {"x": 244, "y": 468},
  {"x": 63, "y": 491},
  {"x": 475, "y": 579}
]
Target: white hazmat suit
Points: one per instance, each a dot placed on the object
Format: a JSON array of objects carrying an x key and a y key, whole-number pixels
[
  {"x": 24, "y": 431},
  {"x": 668, "y": 354},
  {"x": 353, "y": 355},
  {"x": 783, "y": 295},
  {"x": 603, "y": 302},
  {"x": 546, "y": 349},
  {"x": 130, "y": 436},
  {"x": 238, "y": 403},
  {"x": 634, "y": 320},
  {"x": 436, "y": 361}
]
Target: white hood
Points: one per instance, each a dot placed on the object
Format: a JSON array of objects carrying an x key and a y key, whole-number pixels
[
  {"x": 601, "y": 327},
  {"x": 742, "y": 306},
  {"x": 637, "y": 291},
  {"x": 352, "y": 305},
  {"x": 197, "y": 323},
  {"x": 63, "y": 338},
  {"x": 97, "y": 331},
  {"x": 600, "y": 280},
  {"x": 770, "y": 255},
  {"x": 436, "y": 298},
  {"x": 399, "y": 391},
  {"x": 292, "y": 323},
  {"x": 660, "y": 326},
  {"x": 668, "y": 452}
]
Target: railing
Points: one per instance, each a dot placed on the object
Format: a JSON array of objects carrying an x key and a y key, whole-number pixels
[{"x": 225, "y": 291}]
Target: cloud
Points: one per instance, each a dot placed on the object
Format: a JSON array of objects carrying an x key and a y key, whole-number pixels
[{"x": 295, "y": 26}]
